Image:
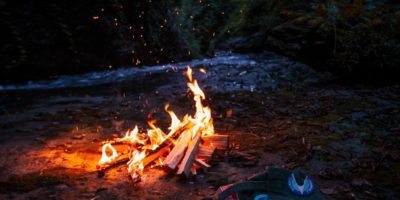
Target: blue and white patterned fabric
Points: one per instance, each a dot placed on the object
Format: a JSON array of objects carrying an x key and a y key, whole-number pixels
[{"x": 301, "y": 190}]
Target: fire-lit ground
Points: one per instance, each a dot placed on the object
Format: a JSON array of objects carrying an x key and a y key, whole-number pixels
[{"x": 345, "y": 137}]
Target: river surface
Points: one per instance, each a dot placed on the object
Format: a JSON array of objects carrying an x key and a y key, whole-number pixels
[{"x": 232, "y": 71}]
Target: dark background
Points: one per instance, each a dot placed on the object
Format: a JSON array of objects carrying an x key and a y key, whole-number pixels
[{"x": 356, "y": 39}]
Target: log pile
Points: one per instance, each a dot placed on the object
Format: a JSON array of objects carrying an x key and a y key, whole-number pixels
[
  {"x": 189, "y": 145},
  {"x": 186, "y": 156}
]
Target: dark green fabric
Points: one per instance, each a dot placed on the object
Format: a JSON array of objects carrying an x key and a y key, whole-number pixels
[
  {"x": 274, "y": 182},
  {"x": 277, "y": 181}
]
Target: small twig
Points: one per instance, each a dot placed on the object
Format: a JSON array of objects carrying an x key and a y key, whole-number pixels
[{"x": 102, "y": 169}]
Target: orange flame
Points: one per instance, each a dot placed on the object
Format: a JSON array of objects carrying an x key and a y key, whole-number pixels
[
  {"x": 201, "y": 122},
  {"x": 189, "y": 74},
  {"x": 105, "y": 159},
  {"x": 132, "y": 137}
]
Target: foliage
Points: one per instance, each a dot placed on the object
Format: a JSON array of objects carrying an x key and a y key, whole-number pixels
[
  {"x": 49, "y": 38},
  {"x": 199, "y": 22},
  {"x": 342, "y": 36}
]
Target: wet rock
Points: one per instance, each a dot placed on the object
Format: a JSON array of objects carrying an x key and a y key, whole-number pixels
[
  {"x": 329, "y": 191},
  {"x": 360, "y": 182}
]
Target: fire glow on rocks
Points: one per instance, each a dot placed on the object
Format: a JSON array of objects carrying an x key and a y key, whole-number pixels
[{"x": 179, "y": 149}]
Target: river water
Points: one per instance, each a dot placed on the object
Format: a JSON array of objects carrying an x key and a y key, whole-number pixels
[{"x": 226, "y": 71}]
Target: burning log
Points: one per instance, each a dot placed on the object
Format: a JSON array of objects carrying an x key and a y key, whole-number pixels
[
  {"x": 189, "y": 145},
  {"x": 193, "y": 170},
  {"x": 101, "y": 169},
  {"x": 108, "y": 162},
  {"x": 154, "y": 155},
  {"x": 195, "y": 153},
  {"x": 205, "y": 152},
  {"x": 189, "y": 155},
  {"x": 163, "y": 147},
  {"x": 202, "y": 164},
  {"x": 177, "y": 153},
  {"x": 219, "y": 141}
]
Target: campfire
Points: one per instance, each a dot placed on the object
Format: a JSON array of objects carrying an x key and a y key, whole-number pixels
[{"x": 188, "y": 146}]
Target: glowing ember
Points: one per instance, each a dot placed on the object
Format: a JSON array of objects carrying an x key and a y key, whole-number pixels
[{"x": 165, "y": 149}]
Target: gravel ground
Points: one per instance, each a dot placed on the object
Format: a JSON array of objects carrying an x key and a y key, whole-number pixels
[{"x": 277, "y": 113}]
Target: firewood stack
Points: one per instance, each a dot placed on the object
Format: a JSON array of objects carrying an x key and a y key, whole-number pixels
[
  {"x": 189, "y": 145},
  {"x": 188, "y": 155}
]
